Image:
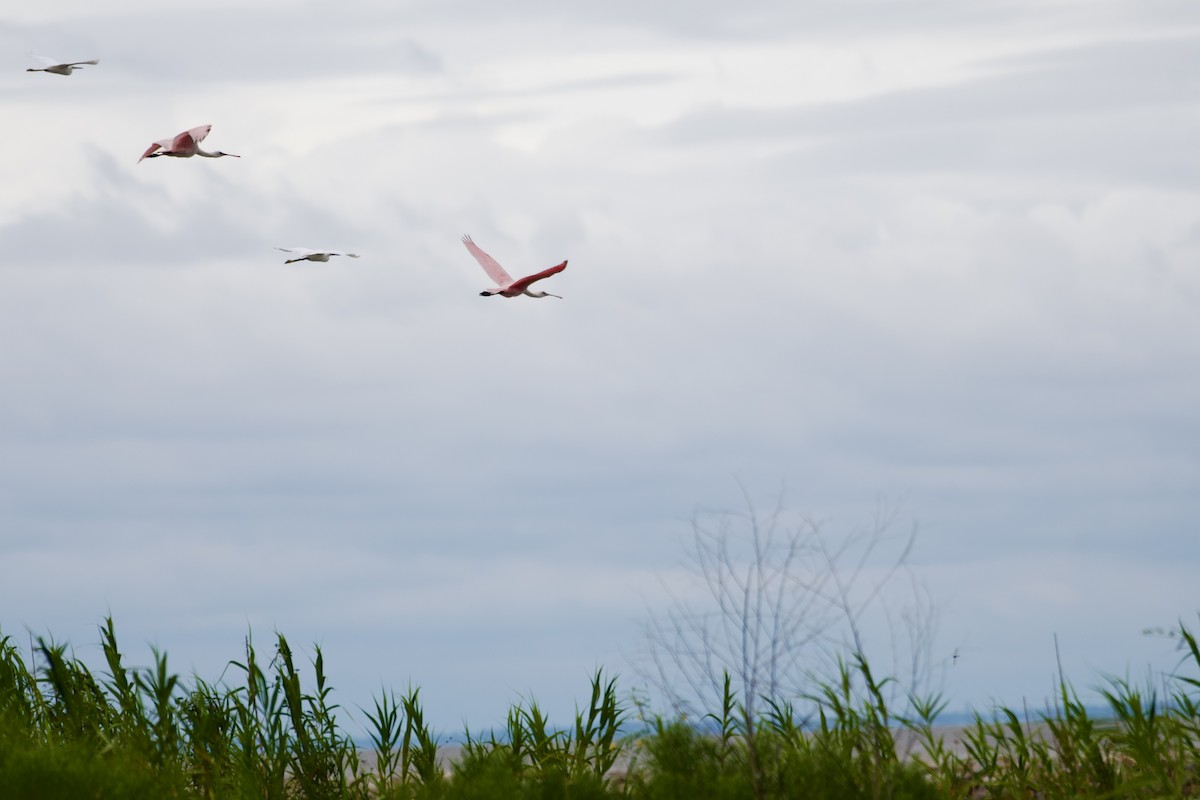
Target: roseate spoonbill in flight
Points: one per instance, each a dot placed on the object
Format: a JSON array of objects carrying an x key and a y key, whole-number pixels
[
  {"x": 304, "y": 254},
  {"x": 509, "y": 287},
  {"x": 185, "y": 145},
  {"x": 58, "y": 67}
]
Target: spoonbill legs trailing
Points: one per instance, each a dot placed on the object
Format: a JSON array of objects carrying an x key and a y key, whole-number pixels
[
  {"x": 509, "y": 287},
  {"x": 185, "y": 145},
  {"x": 58, "y": 67},
  {"x": 304, "y": 254}
]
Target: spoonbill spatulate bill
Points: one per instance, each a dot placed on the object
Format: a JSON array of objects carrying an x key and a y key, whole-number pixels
[
  {"x": 58, "y": 67},
  {"x": 184, "y": 145},
  {"x": 305, "y": 254},
  {"x": 506, "y": 286}
]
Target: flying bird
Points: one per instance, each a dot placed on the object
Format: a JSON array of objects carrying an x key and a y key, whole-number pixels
[
  {"x": 185, "y": 145},
  {"x": 304, "y": 254},
  {"x": 507, "y": 286},
  {"x": 58, "y": 67}
]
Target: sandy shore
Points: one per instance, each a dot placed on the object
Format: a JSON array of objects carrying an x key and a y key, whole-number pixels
[{"x": 907, "y": 745}]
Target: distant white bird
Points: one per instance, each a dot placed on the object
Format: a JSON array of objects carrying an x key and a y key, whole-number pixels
[
  {"x": 509, "y": 287},
  {"x": 185, "y": 145},
  {"x": 305, "y": 254},
  {"x": 58, "y": 67}
]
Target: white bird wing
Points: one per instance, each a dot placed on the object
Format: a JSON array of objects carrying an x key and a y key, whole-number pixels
[
  {"x": 48, "y": 62},
  {"x": 304, "y": 252},
  {"x": 489, "y": 264}
]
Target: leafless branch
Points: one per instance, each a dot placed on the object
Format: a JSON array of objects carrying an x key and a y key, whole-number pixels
[{"x": 782, "y": 600}]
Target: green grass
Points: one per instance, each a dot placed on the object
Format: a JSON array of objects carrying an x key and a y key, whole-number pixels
[{"x": 272, "y": 731}]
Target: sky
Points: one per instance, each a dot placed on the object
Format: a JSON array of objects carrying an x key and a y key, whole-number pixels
[{"x": 920, "y": 253}]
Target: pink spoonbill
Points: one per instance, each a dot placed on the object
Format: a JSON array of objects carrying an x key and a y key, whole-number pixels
[
  {"x": 185, "y": 145},
  {"x": 507, "y": 286},
  {"x": 58, "y": 67}
]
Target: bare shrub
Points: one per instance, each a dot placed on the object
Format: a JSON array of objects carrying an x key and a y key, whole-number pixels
[{"x": 775, "y": 599}]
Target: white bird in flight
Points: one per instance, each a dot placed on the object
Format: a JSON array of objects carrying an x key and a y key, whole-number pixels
[
  {"x": 305, "y": 254},
  {"x": 59, "y": 67},
  {"x": 509, "y": 287},
  {"x": 185, "y": 145}
]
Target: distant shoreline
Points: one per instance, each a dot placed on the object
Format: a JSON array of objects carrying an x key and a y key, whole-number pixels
[{"x": 907, "y": 741}]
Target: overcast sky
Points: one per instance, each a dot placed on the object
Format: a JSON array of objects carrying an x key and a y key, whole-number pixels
[{"x": 938, "y": 253}]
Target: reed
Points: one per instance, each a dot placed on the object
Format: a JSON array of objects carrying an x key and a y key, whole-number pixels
[{"x": 272, "y": 730}]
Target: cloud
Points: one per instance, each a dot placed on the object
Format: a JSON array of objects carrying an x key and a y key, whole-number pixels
[
  {"x": 1072, "y": 111},
  {"x": 797, "y": 257}
]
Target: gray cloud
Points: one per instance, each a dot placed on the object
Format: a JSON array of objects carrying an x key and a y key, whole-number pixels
[
  {"x": 1117, "y": 109},
  {"x": 977, "y": 296},
  {"x": 165, "y": 49}
]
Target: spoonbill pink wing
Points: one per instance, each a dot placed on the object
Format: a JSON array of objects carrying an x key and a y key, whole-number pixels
[
  {"x": 524, "y": 283},
  {"x": 489, "y": 264},
  {"x": 160, "y": 144},
  {"x": 188, "y": 140}
]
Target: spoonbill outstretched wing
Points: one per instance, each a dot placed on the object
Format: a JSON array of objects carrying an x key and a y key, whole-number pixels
[
  {"x": 184, "y": 145},
  {"x": 507, "y": 286},
  {"x": 58, "y": 67},
  {"x": 305, "y": 254}
]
